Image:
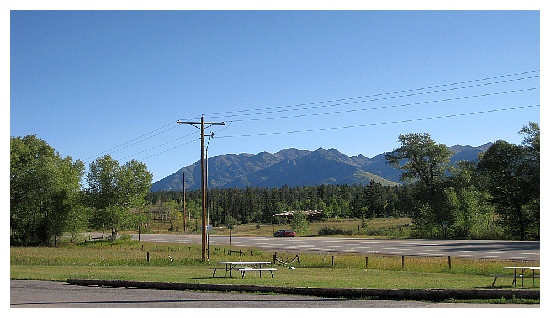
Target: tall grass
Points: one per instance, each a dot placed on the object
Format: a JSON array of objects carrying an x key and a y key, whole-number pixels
[{"x": 126, "y": 259}]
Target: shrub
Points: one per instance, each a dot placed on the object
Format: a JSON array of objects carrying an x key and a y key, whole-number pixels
[{"x": 334, "y": 231}]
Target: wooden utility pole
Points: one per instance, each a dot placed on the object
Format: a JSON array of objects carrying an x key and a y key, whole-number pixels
[
  {"x": 183, "y": 186},
  {"x": 203, "y": 178}
]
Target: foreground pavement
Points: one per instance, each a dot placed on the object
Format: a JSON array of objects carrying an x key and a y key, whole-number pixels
[{"x": 47, "y": 294}]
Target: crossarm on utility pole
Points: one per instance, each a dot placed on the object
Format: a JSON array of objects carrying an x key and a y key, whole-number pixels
[{"x": 203, "y": 178}]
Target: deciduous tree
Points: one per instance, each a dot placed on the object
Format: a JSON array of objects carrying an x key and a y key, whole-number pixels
[
  {"x": 421, "y": 159},
  {"x": 424, "y": 163},
  {"x": 511, "y": 173},
  {"x": 113, "y": 190},
  {"x": 44, "y": 191}
]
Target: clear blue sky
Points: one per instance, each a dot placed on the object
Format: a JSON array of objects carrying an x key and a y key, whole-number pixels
[{"x": 92, "y": 83}]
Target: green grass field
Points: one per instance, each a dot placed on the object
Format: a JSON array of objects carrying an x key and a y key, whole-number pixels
[{"x": 127, "y": 260}]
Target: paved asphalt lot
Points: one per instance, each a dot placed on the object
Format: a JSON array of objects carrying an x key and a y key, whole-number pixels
[
  {"x": 42, "y": 294},
  {"x": 516, "y": 250}
]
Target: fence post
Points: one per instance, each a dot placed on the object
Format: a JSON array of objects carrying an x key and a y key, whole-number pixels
[
  {"x": 147, "y": 256},
  {"x": 449, "y": 261},
  {"x": 332, "y": 260},
  {"x": 402, "y": 261},
  {"x": 274, "y": 258},
  {"x": 366, "y": 262}
]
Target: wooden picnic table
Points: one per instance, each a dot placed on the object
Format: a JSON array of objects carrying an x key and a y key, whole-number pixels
[{"x": 229, "y": 266}]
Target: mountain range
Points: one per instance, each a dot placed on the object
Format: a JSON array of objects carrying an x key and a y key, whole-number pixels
[{"x": 293, "y": 167}]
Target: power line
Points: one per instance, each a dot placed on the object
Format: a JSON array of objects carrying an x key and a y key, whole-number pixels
[
  {"x": 382, "y": 123},
  {"x": 276, "y": 109},
  {"x": 347, "y": 127},
  {"x": 164, "y": 144},
  {"x": 339, "y": 102},
  {"x": 125, "y": 144},
  {"x": 344, "y": 127},
  {"x": 352, "y": 126},
  {"x": 132, "y": 140},
  {"x": 387, "y": 107},
  {"x": 160, "y": 153},
  {"x": 296, "y": 108}
]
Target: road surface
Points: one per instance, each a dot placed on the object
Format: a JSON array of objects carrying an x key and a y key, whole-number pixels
[{"x": 481, "y": 249}]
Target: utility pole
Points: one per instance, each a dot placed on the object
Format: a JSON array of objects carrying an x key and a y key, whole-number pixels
[
  {"x": 203, "y": 177},
  {"x": 183, "y": 186}
]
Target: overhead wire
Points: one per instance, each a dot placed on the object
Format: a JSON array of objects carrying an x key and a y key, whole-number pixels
[
  {"x": 157, "y": 146},
  {"x": 179, "y": 146},
  {"x": 358, "y": 125},
  {"x": 339, "y": 102},
  {"x": 382, "y": 123},
  {"x": 139, "y": 139},
  {"x": 391, "y": 106},
  {"x": 125, "y": 144},
  {"x": 269, "y": 110}
]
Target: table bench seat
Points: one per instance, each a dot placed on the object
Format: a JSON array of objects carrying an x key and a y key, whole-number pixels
[
  {"x": 244, "y": 270},
  {"x": 216, "y": 268},
  {"x": 504, "y": 275}
]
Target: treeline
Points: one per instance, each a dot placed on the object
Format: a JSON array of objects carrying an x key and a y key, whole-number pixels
[
  {"x": 259, "y": 205},
  {"x": 495, "y": 197},
  {"x": 48, "y": 197}
]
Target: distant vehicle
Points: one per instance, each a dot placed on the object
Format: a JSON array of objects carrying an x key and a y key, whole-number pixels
[{"x": 284, "y": 233}]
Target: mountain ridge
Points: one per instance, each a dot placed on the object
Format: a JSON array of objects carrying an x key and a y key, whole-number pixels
[{"x": 295, "y": 167}]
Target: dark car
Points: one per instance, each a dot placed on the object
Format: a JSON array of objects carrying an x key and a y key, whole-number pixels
[{"x": 287, "y": 233}]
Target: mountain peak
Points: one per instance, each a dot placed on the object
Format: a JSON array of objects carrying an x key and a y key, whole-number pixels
[{"x": 295, "y": 167}]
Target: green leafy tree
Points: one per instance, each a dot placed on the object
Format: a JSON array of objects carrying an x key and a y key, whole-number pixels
[
  {"x": 424, "y": 162},
  {"x": 469, "y": 209},
  {"x": 231, "y": 222},
  {"x": 114, "y": 190},
  {"x": 299, "y": 222},
  {"x": 531, "y": 143},
  {"x": 531, "y": 138},
  {"x": 511, "y": 175},
  {"x": 171, "y": 207},
  {"x": 44, "y": 191},
  {"x": 194, "y": 209}
]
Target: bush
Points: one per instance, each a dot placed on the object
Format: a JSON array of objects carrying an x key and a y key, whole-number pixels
[{"x": 334, "y": 231}]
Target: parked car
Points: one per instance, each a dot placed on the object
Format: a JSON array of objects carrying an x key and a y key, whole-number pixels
[{"x": 284, "y": 233}]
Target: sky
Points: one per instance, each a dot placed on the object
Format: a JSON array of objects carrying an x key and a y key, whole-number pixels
[{"x": 116, "y": 82}]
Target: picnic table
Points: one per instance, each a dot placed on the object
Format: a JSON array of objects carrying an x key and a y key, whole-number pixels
[
  {"x": 250, "y": 265},
  {"x": 517, "y": 275},
  {"x": 523, "y": 268}
]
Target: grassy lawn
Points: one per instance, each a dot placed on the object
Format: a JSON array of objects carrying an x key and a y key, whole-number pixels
[
  {"x": 127, "y": 260},
  {"x": 299, "y": 277}
]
